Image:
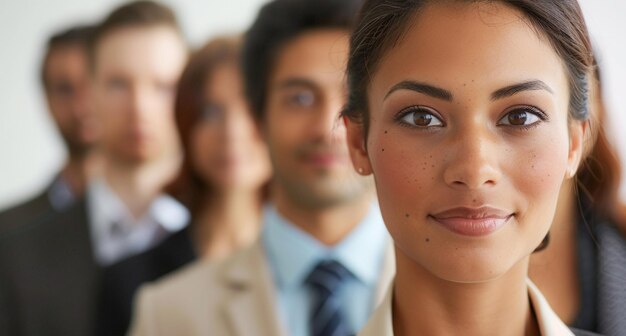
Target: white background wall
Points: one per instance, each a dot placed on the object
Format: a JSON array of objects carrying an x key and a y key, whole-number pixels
[{"x": 30, "y": 149}]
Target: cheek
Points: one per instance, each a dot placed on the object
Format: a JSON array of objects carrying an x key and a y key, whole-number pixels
[
  {"x": 201, "y": 151},
  {"x": 405, "y": 171},
  {"x": 537, "y": 173}
]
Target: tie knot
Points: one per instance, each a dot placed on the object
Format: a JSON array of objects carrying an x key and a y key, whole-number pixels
[{"x": 328, "y": 276}]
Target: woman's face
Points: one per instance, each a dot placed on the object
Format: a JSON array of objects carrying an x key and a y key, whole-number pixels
[
  {"x": 469, "y": 140},
  {"x": 227, "y": 150}
]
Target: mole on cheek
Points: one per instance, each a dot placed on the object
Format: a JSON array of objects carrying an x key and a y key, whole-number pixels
[
  {"x": 427, "y": 240},
  {"x": 385, "y": 132}
]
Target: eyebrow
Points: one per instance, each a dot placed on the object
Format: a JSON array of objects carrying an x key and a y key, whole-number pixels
[
  {"x": 446, "y": 95},
  {"x": 296, "y": 82},
  {"x": 519, "y": 87},
  {"x": 424, "y": 88}
]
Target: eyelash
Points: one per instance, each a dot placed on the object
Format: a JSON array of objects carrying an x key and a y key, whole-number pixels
[
  {"x": 417, "y": 108},
  {"x": 526, "y": 108},
  {"x": 543, "y": 117}
]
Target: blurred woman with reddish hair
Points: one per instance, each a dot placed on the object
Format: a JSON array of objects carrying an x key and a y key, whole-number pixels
[
  {"x": 226, "y": 163},
  {"x": 222, "y": 180}
]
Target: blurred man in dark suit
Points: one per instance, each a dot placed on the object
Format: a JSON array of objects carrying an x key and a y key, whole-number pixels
[
  {"x": 65, "y": 82},
  {"x": 51, "y": 270}
]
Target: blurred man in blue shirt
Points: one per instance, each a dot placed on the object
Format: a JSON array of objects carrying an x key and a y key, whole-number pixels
[{"x": 323, "y": 258}]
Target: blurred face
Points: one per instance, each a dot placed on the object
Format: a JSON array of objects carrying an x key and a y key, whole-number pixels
[
  {"x": 135, "y": 74},
  {"x": 306, "y": 92},
  {"x": 66, "y": 73},
  {"x": 469, "y": 140},
  {"x": 227, "y": 150}
]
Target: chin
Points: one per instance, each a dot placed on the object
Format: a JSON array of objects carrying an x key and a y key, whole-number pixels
[
  {"x": 471, "y": 272},
  {"x": 140, "y": 155},
  {"x": 463, "y": 264}
]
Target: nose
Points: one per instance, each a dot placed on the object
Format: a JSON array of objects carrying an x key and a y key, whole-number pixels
[
  {"x": 472, "y": 161},
  {"x": 140, "y": 104},
  {"x": 327, "y": 124},
  {"x": 81, "y": 107},
  {"x": 238, "y": 124}
]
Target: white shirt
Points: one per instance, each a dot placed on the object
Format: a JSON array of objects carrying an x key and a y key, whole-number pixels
[
  {"x": 117, "y": 235},
  {"x": 381, "y": 322}
]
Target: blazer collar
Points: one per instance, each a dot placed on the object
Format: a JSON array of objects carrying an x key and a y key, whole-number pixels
[
  {"x": 250, "y": 306},
  {"x": 381, "y": 323}
]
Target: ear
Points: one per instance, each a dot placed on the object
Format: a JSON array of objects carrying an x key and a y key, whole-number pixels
[
  {"x": 577, "y": 134},
  {"x": 356, "y": 145}
]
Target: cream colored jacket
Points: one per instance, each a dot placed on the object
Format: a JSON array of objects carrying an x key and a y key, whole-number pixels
[{"x": 233, "y": 297}]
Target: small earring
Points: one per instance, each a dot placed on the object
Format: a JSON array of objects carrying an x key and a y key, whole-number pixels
[
  {"x": 571, "y": 173},
  {"x": 360, "y": 170}
]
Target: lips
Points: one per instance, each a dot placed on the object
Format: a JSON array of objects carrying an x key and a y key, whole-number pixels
[{"x": 473, "y": 222}]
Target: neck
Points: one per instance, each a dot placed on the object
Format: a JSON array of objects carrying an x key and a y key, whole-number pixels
[
  {"x": 555, "y": 270},
  {"x": 77, "y": 171},
  {"x": 330, "y": 224},
  {"x": 226, "y": 221},
  {"x": 137, "y": 185},
  {"x": 562, "y": 231},
  {"x": 496, "y": 307}
]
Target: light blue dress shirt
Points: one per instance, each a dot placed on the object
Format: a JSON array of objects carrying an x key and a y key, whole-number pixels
[{"x": 293, "y": 254}]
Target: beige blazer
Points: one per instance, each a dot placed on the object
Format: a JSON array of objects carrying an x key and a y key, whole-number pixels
[
  {"x": 233, "y": 297},
  {"x": 381, "y": 323}
]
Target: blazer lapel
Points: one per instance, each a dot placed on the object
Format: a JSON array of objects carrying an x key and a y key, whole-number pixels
[
  {"x": 611, "y": 281},
  {"x": 251, "y": 306}
]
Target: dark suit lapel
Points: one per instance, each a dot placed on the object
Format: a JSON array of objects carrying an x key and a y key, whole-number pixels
[
  {"x": 52, "y": 273},
  {"x": 611, "y": 281}
]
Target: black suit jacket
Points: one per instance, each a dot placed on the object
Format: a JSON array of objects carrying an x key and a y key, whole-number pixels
[
  {"x": 611, "y": 280},
  {"x": 32, "y": 210},
  {"x": 50, "y": 283},
  {"x": 579, "y": 332},
  {"x": 48, "y": 277},
  {"x": 121, "y": 281}
]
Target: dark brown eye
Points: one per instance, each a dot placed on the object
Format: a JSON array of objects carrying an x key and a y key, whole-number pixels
[
  {"x": 517, "y": 118},
  {"x": 523, "y": 116},
  {"x": 212, "y": 112},
  {"x": 421, "y": 117}
]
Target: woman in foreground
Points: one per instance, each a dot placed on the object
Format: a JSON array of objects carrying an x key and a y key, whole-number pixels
[{"x": 470, "y": 115}]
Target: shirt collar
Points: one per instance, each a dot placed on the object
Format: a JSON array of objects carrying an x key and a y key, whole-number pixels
[
  {"x": 381, "y": 321},
  {"x": 549, "y": 323},
  {"x": 60, "y": 194},
  {"x": 294, "y": 253},
  {"x": 110, "y": 210}
]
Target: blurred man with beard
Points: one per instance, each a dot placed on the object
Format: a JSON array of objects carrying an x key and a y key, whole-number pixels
[
  {"x": 65, "y": 82},
  {"x": 322, "y": 258}
]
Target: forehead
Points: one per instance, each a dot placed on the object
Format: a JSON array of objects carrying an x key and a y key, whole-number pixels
[
  {"x": 487, "y": 44},
  {"x": 223, "y": 79},
  {"x": 317, "y": 55},
  {"x": 157, "y": 49},
  {"x": 66, "y": 60}
]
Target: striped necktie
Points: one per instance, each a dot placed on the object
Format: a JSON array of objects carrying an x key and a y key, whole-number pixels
[{"x": 326, "y": 316}]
